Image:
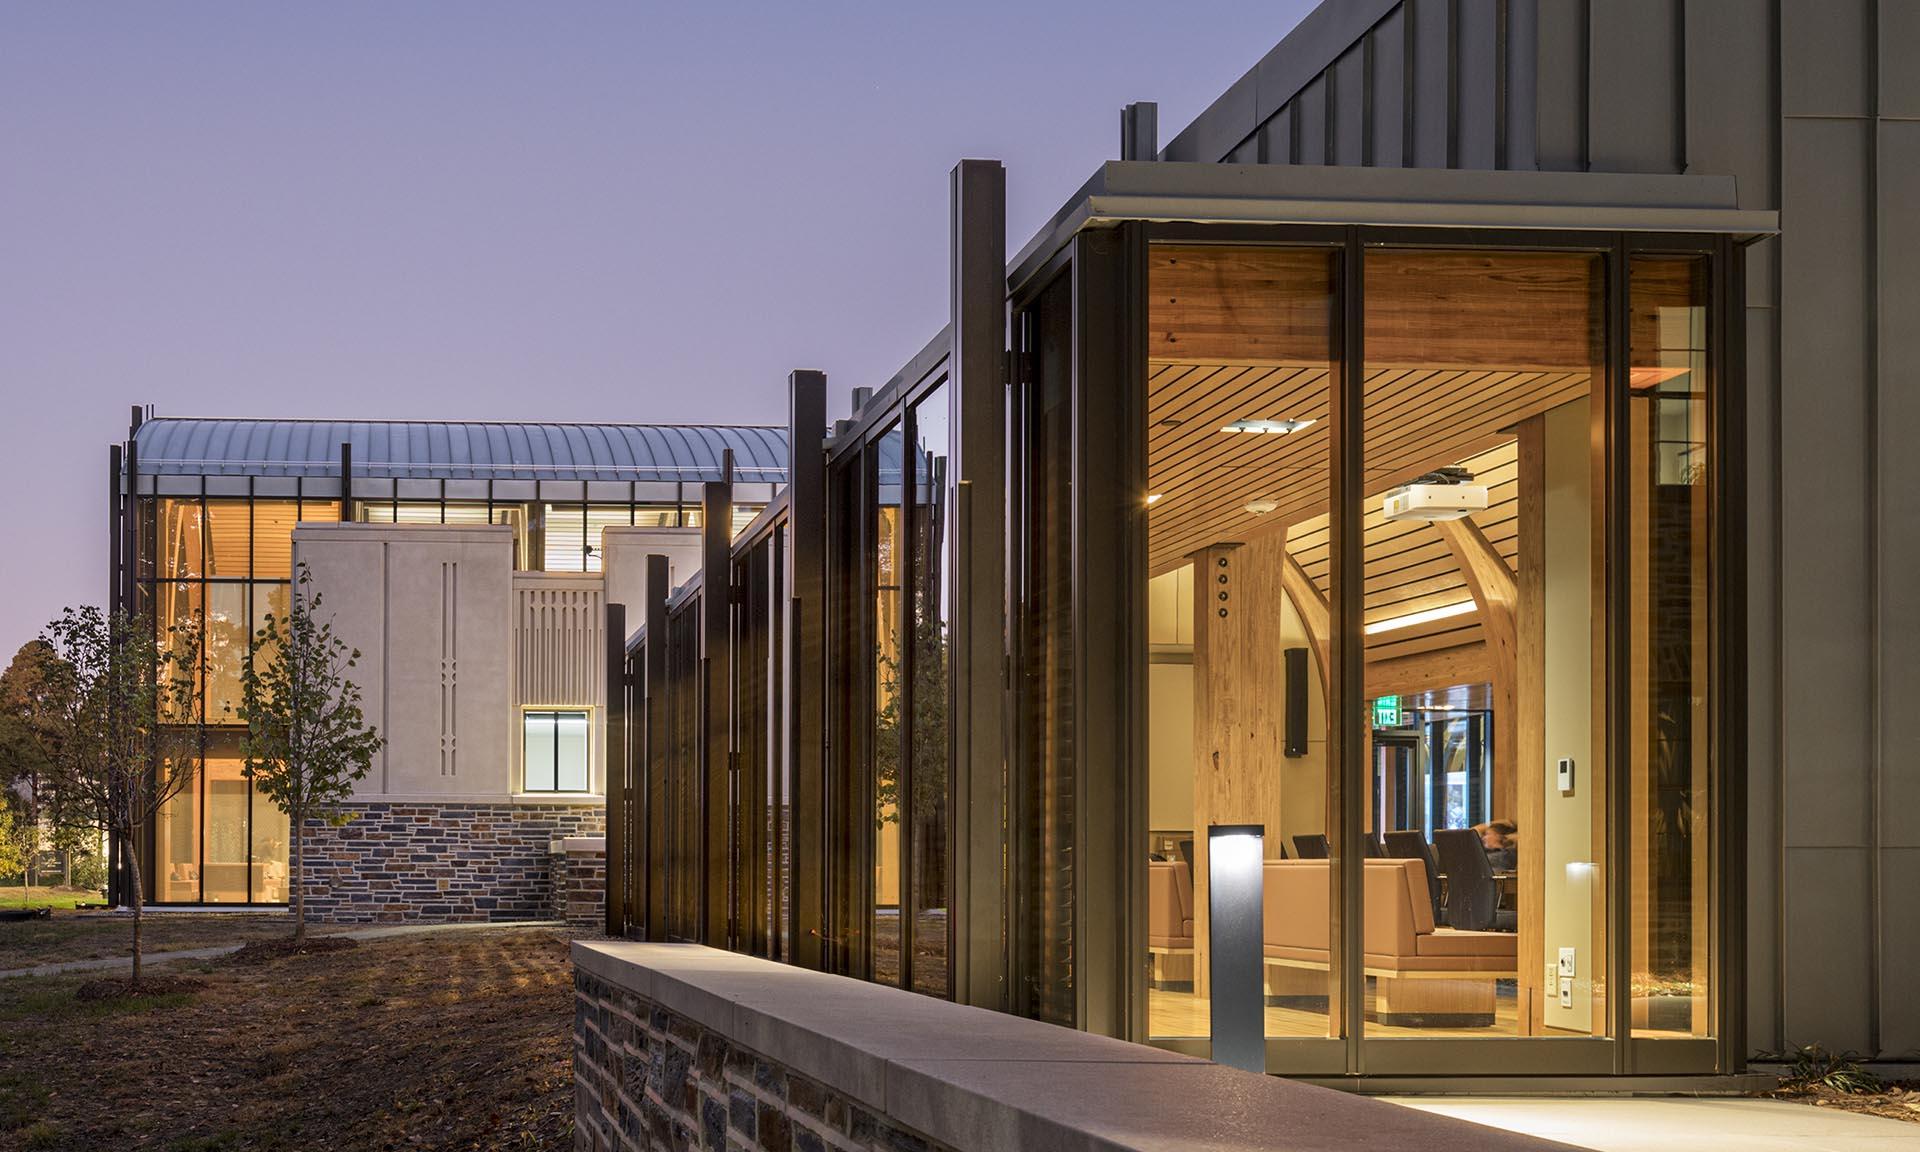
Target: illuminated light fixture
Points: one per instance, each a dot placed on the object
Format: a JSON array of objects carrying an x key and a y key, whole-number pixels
[
  {"x": 1273, "y": 427},
  {"x": 1426, "y": 616},
  {"x": 1154, "y": 498},
  {"x": 1236, "y": 873},
  {"x": 1261, "y": 507}
]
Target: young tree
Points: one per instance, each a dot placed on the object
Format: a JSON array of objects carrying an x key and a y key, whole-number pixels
[
  {"x": 122, "y": 733},
  {"x": 29, "y": 691},
  {"x": 12, "y": 854},
  {"x": 307, "y": 741}
]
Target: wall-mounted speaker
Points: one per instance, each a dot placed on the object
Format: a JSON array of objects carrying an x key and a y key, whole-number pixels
[{"x": 1296, "y": 667}]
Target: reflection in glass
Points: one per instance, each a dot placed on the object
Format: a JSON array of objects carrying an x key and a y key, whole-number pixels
[
  {"x": 182, "y": 543},
  {"x": 1669, "y": 750},
  {"x": 888, "y": 685},
  {"x": 177, "y": 612},
  {"x": 1483, "y": 634},
  {"x": 931, "y": 658},
  {"x": 228, "y": 642}
]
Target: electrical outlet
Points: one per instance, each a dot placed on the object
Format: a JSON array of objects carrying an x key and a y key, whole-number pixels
[
  {"x": 1566, "y": 991},
  {"x": 1566, "y": 962}
]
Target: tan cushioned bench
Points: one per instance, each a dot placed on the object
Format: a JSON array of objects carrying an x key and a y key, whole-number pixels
[{"x": 1398, "y": 932}]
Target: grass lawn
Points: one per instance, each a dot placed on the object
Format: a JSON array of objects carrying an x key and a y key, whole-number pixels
[
  {"x": 456, "y": 1041},
  {"x": 39, "y": 896},
  {"x": 96, "y": 935}
]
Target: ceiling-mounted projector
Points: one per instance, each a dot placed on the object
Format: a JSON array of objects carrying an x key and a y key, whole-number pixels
[{"x": 1446, "y": 494}]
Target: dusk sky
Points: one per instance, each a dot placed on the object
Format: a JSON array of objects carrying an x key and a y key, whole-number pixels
[{"x": 511, "y": 211}]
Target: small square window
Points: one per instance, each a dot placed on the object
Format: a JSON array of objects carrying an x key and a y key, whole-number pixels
[{"x": 555, "y": 746}]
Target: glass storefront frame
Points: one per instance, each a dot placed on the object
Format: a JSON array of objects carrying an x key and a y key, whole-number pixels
[{"x": 1106, "y": 332}]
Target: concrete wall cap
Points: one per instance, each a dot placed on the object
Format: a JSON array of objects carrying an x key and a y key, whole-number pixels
[{"x": 973, "y": 1078}]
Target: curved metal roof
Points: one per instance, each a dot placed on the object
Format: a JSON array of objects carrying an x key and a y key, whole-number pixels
[{"x": 472, "y": 450}]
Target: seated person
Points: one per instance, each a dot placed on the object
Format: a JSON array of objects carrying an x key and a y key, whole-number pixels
[{"x": 1498, "y": 837}]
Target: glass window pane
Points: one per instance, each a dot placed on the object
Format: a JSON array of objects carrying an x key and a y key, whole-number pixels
[
  {"x": 1238, "y": 619},
  {"x": 1484, "y": 634},
  {"x": 464, "y": 514},
  {"x": 930, "y": 745},
  {"x": 228, "y": 856},
  {"x": 599, "y": 519},
  {"x": 182, "y": 540},
  {"x": 570, "y": 743},
  {"x": 657, "y": 516},
  {"x": 887, "y": 560},
  {"x": 229, "y": 539},
  {"x": 176, "y": 848},
  {"x": 271, "y": 831},
  {"x": 540, "y": 752},
  {"x": 565, "y": 539},
  {"x": 177, "y": 607},
  {"x": 228, "y": 643},
  {"x": 1669, "y": 751},
  {"x": 319, "y": 511},
  {"x": 1045, "y": 779},
  {"x": 273, "y": 522}
]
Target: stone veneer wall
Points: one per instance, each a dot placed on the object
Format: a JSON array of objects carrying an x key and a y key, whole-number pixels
[
  {"x": 426, "y": 862},
  {"x": 648, "y": 1079},
  {"x": 580, "y": 884}
]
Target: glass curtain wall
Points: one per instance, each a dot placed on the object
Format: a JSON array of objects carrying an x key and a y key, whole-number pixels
[
  {"x": 930, "y": 664},
  {"x": 220, "y": 566},
  {"x": 1530, "y": 762}
]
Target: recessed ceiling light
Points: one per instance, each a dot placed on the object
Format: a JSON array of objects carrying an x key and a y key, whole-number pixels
[
  {"x": 1261, "y": 507},
  {"x": 1427, "y": 616},
  {"x": 1275, "y": 427},
  {"x": 1154, "y": 498}
]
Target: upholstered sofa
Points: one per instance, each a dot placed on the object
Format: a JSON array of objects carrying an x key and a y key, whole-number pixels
[
  {"x": 1424, "y": 976},
  {"x": 1170, "y": 923}
]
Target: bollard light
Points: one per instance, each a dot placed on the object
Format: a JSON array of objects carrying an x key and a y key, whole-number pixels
[{"x": 1236, "y": 872}]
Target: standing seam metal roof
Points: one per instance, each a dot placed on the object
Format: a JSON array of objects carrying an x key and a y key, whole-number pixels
[{"x": 476, "y": 450}]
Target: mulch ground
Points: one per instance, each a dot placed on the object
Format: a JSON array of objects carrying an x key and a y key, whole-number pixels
[
  {"x": 449, "y": 1041},
  {"x": 1897, "y": 1101}
]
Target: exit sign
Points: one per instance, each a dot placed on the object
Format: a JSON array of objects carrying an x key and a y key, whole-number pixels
[{"x": 1386, "y": 712}]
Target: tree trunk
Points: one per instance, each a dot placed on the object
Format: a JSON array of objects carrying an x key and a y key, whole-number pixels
[
  {"x": 133, "y": 873},
  {"x": 299, "y": 884}
]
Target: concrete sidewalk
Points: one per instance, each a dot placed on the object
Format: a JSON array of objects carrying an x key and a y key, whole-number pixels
[
  {"x": 1679, "y": 1123},
  {"x": 208, "y": 953}
]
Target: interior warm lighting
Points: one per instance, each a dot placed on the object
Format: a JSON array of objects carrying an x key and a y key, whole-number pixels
[
  {"x": 1275, "y": 427},
  {"x": 1426, "y": 616},
  {"x": 1154, "y": 498},
  {"x": 1261, "y": 507}
]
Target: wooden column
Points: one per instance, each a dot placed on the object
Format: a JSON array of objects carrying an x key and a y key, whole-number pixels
[{"x": 1239, "y": 722}]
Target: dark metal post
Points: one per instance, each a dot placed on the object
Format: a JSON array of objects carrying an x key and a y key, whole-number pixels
[
  {"x": 346, "y": 482},
  {"x": 716, "y": 604},
  {"x": 1346, "y": 719},
  {"x": 1140, "y": 131},
  {"x": 618, "y": 849},
  {"x": 657, "y": 743},
  {"x": 978, "y": 401},
  {"x": 807, "y": 582}
]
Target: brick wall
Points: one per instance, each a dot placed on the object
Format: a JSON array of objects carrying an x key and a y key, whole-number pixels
[
  {"x": 646, "y": 1078},
  {"x": 402, "y": 862},
  {"x": 580, "y": 888}
]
